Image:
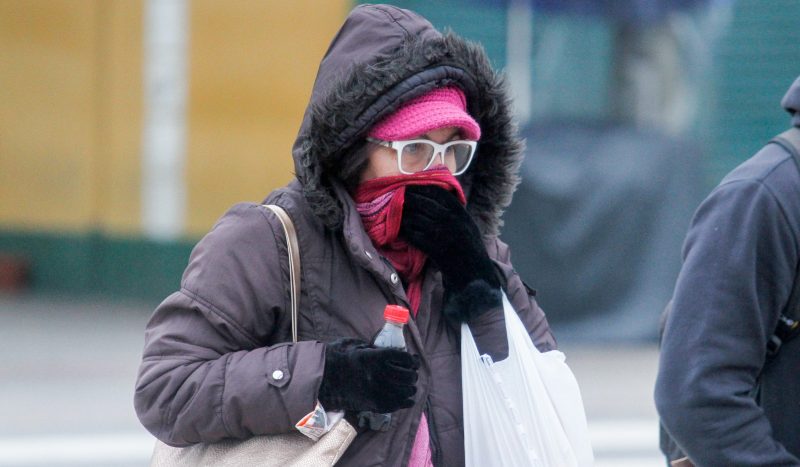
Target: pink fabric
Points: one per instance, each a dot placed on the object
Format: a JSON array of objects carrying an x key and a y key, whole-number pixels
[
  {"x": 421, "y": 454},
  {"x": 439, "y": 108}
]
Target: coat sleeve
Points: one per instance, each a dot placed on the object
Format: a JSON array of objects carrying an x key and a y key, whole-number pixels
[
  {"x": 524, "y": 302},
  {"x": 208, "y": 371},
  {"x": 739, "y": 261}
]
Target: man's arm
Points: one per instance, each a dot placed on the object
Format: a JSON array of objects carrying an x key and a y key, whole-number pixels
[{"x": 738, "y": 270}]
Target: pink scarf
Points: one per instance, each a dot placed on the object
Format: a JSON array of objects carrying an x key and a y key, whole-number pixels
[{"x": 380, "y": 203}]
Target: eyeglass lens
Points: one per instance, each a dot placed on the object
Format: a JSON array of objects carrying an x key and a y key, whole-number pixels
[{"x": 419, "y": 156}]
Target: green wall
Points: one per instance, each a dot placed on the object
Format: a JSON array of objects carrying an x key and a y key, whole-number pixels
[
  {"x": 759, "y": 58},
  {"x": 99, "y": 264},
  {"x": 482, "y": 23}
]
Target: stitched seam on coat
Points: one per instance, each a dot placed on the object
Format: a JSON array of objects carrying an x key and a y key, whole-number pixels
[
  {"x": 223, "y": 315},
  {"x": 194, "y": 396},
  {"x": 221, "y": 410},
  {"x": 393, "y": 19},
  {"x": 173, "y": 357},
  {"x": 762, "y": 185}
]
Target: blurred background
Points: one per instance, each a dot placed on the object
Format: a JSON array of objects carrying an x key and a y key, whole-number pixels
[{"x": 127, "y": 127}]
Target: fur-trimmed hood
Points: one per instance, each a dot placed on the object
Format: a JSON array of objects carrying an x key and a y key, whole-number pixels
[{"x": 382, "y": 57}]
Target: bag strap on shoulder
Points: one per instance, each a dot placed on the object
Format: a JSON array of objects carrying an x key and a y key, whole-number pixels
[
  {"x": 293, "y": 249},
  {"x": 790, "y": 141}
]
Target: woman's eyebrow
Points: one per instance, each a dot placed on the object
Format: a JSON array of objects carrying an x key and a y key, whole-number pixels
[{"x": 454, "y": 136}]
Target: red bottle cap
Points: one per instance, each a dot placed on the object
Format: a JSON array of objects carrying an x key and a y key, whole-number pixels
[{"x": 396, "y": 313}]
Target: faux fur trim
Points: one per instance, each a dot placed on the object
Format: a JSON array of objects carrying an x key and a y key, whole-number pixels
[{"x": 366, "y": 92}]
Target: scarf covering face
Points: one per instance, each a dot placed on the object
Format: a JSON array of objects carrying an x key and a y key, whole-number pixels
[{"x": 380, "y": 203}]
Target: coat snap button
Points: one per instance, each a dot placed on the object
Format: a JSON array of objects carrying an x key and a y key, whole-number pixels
[
  {"x": 394, "y": 278},
  {"x": 277, "y": 375}
]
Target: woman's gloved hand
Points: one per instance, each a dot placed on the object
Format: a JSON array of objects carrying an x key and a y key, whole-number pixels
[
  {"x": 435, "y": 222},
  {"x": 360, "y": 377}
]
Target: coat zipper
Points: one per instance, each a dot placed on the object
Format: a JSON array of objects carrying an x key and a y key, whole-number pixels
[{"x": 433, "y": 434}]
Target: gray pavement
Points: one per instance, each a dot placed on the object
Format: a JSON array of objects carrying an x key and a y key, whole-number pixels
[{"x": 66, "y": 387}]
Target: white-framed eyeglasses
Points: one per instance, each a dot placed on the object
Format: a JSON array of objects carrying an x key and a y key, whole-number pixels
[{"x": 415, "y": 155}]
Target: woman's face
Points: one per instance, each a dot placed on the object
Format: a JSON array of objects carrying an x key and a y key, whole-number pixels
[{"x": 382, "y": 161}]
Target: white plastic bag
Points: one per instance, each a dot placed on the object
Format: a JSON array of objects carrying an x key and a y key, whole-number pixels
[{"x": 525, "y": 410}]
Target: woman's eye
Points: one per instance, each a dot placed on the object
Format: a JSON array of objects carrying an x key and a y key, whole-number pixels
[{"x": 413, "y": 148}]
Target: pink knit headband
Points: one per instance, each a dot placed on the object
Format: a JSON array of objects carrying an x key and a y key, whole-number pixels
[{"x": 439, "y": 108}]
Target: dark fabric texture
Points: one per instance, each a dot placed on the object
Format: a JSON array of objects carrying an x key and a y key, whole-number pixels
[
  {"x": 218, "y": 361},
  {"x": 597, "y": 225},
  {"x": 436, "y": 222},
  {"x": 360, "y": 377},
  {"x": 741, "y": 258}
]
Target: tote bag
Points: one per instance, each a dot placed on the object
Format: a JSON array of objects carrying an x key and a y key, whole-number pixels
[
  {"x": 525, "y": 410},
  {"x": 284, "y": 450}
]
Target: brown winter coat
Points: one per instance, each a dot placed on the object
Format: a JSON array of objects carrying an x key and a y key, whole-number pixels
[{"x": 212, "y": 348}]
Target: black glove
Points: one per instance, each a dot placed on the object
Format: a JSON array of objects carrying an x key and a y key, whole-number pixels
[
  {"x": 361, "y": 377},
  {"x": 435, "y": 222}
]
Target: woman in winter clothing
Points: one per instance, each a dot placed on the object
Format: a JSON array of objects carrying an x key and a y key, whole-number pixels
[{"x": 379, "y": 220}]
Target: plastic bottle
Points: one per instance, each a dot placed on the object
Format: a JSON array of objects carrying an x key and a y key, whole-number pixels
[{"x": 390, "y": 336}]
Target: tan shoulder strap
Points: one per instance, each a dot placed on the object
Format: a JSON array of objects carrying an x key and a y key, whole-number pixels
[{"x": 294, "y": 261}]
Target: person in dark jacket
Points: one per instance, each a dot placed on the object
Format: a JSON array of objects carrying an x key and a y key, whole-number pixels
[
  {"x": 405, "y": 160},
  {"x": 741, "y": 259}
]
